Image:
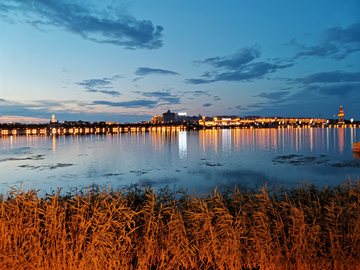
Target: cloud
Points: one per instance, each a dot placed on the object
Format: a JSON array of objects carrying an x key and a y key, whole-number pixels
[
  {"x": 340, "y": 90},
  {"x": 41, "y": 108},
  {"x": 100, "y": 85},
  {"x": 196, "y": 81},
  {"x": 2, "y": 100},
  {"x": 198, "y": 93},
  {"x": 112, "y": 93},
  {"x": 336, "y": 43},
  {"x": 235, "y": 61},
  {"x": 164, "y": 98},
  {"x": 69, "y": 110},
  {"x": 128, "y": 104},
  {"x": 170, "y": 101},
  {"x": 216, "y": 98},
  {"x": 238, "y": 67},
  {"x": 207, "y": 105},
  {"x": 258, "y": 105},
  {"x": 22, "y": 119},
  {"x": 331, "y": 77},
  {"x": 102, "y": 26},
  {"x": 249, "y": 72},
  {"x": 137, "y": 79},
  {"x": 157, "y": 94},
  {"x": 274, "y": 95},
  {"x": 143, "y": 71}
]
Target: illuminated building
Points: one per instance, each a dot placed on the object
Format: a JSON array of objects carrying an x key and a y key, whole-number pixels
[
  {"x": 226, "y": 120},
  {"x": 341, "y": 117},
  {"x": 157, "y": 119},
  {"x": 256, "y": 121},
  {"x": 220, "y": 121}
]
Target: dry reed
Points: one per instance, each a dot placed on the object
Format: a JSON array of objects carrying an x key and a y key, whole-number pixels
[{"x": 302, "y": 228}]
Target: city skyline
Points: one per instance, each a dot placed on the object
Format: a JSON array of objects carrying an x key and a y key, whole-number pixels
[{"x": 129, "y": 61}]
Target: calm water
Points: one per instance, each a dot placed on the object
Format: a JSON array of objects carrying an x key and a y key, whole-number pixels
[{"x": 198, "y": 160}]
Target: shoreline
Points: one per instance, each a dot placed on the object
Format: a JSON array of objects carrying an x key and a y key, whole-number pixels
[{"x": 53, "y": 129}]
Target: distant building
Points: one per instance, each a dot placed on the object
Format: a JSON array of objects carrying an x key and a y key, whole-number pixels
[
  {"x": 341, "y": 117},
  {"x": 169, "y": 117},
  {"x": 80, "y": 122}
]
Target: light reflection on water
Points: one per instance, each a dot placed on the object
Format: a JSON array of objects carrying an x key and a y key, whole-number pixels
[{"x": 197, "y": 160}]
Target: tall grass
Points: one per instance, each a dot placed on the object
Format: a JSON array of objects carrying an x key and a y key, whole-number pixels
[{"x": 302, "y": 228}]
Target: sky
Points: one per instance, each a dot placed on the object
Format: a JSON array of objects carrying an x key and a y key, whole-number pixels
[{"x": 126, "y": 61}]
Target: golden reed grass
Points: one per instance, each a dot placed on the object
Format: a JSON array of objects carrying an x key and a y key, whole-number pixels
[{"x": 302, "y": 228}]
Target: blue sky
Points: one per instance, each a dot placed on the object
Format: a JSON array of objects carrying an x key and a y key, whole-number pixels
[{"x": 126, "y": 61}]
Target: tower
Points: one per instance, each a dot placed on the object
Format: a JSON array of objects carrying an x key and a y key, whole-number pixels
[{"x": 341, "y": 117}]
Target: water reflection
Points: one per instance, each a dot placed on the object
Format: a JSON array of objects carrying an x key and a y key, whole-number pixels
[
  {"x": 208, "y": 140},
  {"x": 54, "y": 144},
  {"x": 341, "y": 139},
  {"x": 200, "y": 158},
  {"x": 182, "y": 145},
  {"x": 299, "y": 139},
  {"x": 226, "y": 141}
]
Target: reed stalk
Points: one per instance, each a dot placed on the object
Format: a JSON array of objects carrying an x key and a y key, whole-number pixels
[{"x": 301, "y": 228}]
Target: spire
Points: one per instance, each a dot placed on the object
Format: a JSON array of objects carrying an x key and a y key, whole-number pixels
[
  {"x": 341, "y": 116},
  {"x": 341, "y": 111}
]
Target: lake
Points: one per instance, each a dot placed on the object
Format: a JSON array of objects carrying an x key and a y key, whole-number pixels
[{"x": 193, "y": 160}]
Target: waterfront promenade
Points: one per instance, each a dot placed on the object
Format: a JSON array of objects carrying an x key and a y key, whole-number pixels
[{"x": 61, "y": 129}]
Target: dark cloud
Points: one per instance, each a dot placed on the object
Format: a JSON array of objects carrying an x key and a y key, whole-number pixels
[
  {"x": 336, "y": 43},
  {"x": 235, "y": 61},
  {"x": 331, "y": 77},
  {"x": 324, "y": 50},
  {"x": 108, "y": 26},
  {"x": 274, "y": 95},
  {"x": 216, "y": 98},
  {"x": 2, "y": 100},
  {"x": 164, "y": 98},
  {"x": 137, "y": 79},
  {"x": 207, "y": 105},
  {"x": 238, "y": 67},
  {"x": 350, "y": 35},
  {"x": 196, "y": 81},
  {"x": 258, "y": 105},
  {"x": 198, "y": 93},
  {"x": 170, "y": 101},
  {"x": 157, "y": 94},
  {"x": 143, "y": 71},
  {"x": 249, "y": 72},
  {"x": 92, "y": 83},
  {"x": 112, "y": 93},
  {"x": 321, "y": 101},
  {"x": 127, "y": 104},
  {"x": 100, "y": 85},
  {"x": 339, "y": 90}
]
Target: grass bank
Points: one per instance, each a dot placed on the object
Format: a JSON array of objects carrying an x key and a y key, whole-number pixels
[{"x": 302, "y": 228}]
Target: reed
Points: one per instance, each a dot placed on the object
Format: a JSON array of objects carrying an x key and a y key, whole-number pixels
[{"x": 266, "y": 228}]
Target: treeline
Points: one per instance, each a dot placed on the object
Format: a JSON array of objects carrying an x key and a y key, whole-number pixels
[{"x": 138, "y": 228}]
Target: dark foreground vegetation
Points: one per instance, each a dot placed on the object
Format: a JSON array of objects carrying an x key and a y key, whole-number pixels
[{"x": 302, "y": 228}]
